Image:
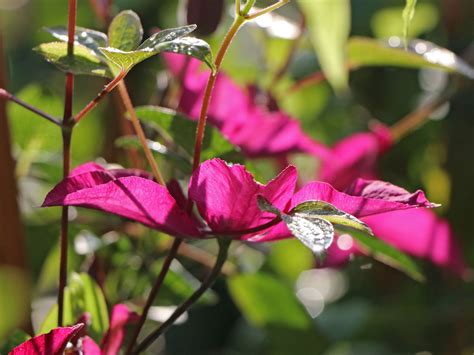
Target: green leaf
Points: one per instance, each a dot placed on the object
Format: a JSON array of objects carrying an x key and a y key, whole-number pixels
[
  {"x": 408, "y": 13},
  {"x": 266, "y": 301},
  {"x": 388, "y": 255},
  {"x": 190, "y": 46},
  {"x": 83, "y": 36},
  {"x": 14, "y": 339},
  {"x": 84, "y": 61},
  {"x": 421, "y": 54},
  {"x": 166, "y": 35},
  {"x": 125, "y": 60},
  {"x": 81, "y": 295},
  {"x": 183, "y": 163},
  {"x": 178, "y": 132},
  {"x": 339, "y": 219},
  {"x": 125, "y": 31},
  {"x": 329, "y": 27}
]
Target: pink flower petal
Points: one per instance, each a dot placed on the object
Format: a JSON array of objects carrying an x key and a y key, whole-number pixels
[
  {"x": 226, "y": 196},
  {"x": 89, "y": 346},
  {"x": 232, "y": 110},
  {"x": 421, "y": 233},
  {"x": 52, "y": 343},
  {"x": 132, "y": 197},
  {"x": 355, "y": 157},
  {"x": 121, "y": 317},
  {"x": 364, "y": 199}
]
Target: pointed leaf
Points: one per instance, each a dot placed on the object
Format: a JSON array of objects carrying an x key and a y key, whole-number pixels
[
  {"x": 329, "y": 27},
  {"x": 388, "y": 255},
  {"x": 339, "y": 219},
  {"x": 84, "y": 61},
  {"x": 125, "y": 60},
  {"x": 190, "y": 46},
  {"x": 166, "y": 35},
  {"x": 420, "y": 54},
  {"x": 314, "y": 232},
  {"x": 88, "y": 38},
  {"x": 178, "y": 132},
  {"x": 408, "y": 13},
  {"x": 125, "y": 31}
]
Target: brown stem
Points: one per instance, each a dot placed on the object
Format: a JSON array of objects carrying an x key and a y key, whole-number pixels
[
  {"x": 107, "y": 89},
  {"x": 139, "y": 132},
  {"x": 8, "y": 96},
  {"x": 67, "y": 126},
  {"x": 205, "y": 285},
  {"x": 416, "y": 118},
  {"x": 154, "y": 292}
]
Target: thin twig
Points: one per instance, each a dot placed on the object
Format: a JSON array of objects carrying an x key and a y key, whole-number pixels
[
  {"x": 267, "y": 9},
  {"x": 8, "y": 96},
  {"x": 206, "y": 284},
  {"x": 154, "y": 293},
  {"x": 139, "y": 131}
]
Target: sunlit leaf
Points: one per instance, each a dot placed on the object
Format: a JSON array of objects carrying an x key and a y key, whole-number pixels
[
  {"x": 178, "y": 133},
  {"x": 329, "y": 27},
  {"x": 420, "y": 54},
  {"x": 166, "y": 35},
  {"x": 387, "y": 254},
  {"x": 339, "y": 219},
  {"x": 84, "y": 36},
  {"x": 82, "y": 295},
  {"x": 125, "y": 31},
  {"x": 267, "y": 302},
  {"x": 126, "y": 60},
  {"x": 408, "y": 13},
  {"x": 190, "y": 46},
  {"x": 84, "y": 61}
]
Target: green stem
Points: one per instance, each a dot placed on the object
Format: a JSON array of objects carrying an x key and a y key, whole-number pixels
[{"x": 206, "y": 284}]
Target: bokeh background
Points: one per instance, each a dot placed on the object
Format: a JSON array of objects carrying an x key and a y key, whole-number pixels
[{"x": 362, "y": 308}]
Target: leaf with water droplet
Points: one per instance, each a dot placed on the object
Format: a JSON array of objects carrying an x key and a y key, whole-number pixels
[
  {"x": 125, "y": 31},
  {"x": 420, "y": 54},
  {"x": 190, "y": 46},
  {"x": 316, "y": 233},
  {"x": 83, "y": 62},
  {"x": 166, "y": 35},
  {"x": 340, "y": 219},
  {"x": 84, "y": 36}
]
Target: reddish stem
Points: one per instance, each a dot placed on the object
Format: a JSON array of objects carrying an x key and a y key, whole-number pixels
[{"x": 67, "y": 126}]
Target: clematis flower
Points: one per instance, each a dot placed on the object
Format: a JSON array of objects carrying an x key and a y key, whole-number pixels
[
  {"x": 252, "y": 127},
  {"x": 52, "y": 343},
  {"x": 225, "y": 196},
  {"x": 418, "y": 232}
]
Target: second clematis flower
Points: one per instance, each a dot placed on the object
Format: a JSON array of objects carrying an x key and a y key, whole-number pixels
[
  {"x": 236, "y": 112},
  {"x": 230, "y": 201}
]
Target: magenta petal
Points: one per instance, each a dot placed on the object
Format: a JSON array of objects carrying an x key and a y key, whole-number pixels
[
  {"x": 422, "y": 234},
  {"x": 355, "y": 157},
  {"x": 226, "y": 196},
  {"x": 384, "y": 191},
  {"x": 52, "y": 343},
  {"x": 89, "y": 346},
  {"x": 132, "y": 197},
  {"x": 121, "y": 317}
]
